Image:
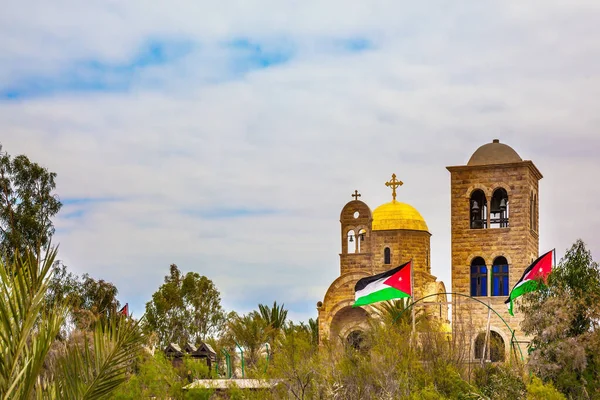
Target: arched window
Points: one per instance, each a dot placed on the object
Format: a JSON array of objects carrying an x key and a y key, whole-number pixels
[
  {"x": 478, "y": 210},
  {"x": 360, "y": 239},
  {"x": 387, "y": 256},
  {"x": 499, "y": 209},
  {"x": 351, "y": 243},
  {"x": 478, "y": 277},
  {"x": 494, "y": 348},
  {"x": 500, "y": 277}
]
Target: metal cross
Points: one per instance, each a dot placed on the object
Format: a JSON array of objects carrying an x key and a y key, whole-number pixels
[
  {"x": 394, "y": 184},
  {"x": 356, "y": 195}
]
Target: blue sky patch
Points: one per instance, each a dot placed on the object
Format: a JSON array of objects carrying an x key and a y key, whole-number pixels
[
  {"x": 250, "y": 55},
  {"x": 73, "y": 214},
  {"x": 356, "y": 44},
  {"x": 67, "y": 201},
  {"x": 97, "y": 75}
]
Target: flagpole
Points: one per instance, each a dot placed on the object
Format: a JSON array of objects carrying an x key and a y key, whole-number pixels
[{"x": 554, "y": 254}]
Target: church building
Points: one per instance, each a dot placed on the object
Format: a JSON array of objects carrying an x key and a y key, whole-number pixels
[
  {"x": 373, "y": 242},
  {"x": 494, "y": 233}
]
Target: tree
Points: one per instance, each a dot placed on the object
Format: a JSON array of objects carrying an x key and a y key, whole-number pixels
[
  {"x": 88, "y": 299},
  {"x": 27, "y": 204},
  {"x": 91, "y": 369},
  {"x": 396, "y": 312},
  {"x": 564, "y": 320},
  {"x": 251, "y": 332},
  {"x": 274, "y": 318},
  {"x": 184, "y": 309}
]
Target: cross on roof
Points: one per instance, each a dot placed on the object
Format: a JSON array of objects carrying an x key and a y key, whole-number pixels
[
  {"x": 394, "y": 183},
  {"x": 356, "y": 195}
]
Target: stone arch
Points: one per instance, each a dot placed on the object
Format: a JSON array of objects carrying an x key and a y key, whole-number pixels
[
  {"x": 502, "y": 185},
  {"x": 340, "y": 282},
  {"x": 347, "y": 319},
  {"x": 471, "y": 256},
  {"x": 497, "y": 254},
  {"x": 475, "y": 187},
  {"x": 502, "y": 344},
  {"x": 347, "y": 213}
]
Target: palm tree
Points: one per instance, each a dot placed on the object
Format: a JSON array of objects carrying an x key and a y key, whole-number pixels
[
  {"x": 275, "y": 317},
  {"x": 29, "y": 327},
  {"x": 251, "y": 332},
  {"x": 397, "y": 312}
]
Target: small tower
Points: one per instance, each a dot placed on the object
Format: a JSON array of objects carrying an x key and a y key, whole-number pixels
[
  {"x": 355, "y": 221},
  {"x": 494, "y": 227}
]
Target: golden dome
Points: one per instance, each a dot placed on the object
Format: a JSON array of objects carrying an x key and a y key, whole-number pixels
[
  {"x": 397, "y": 215},
  {"x": 494, "y": 153}
]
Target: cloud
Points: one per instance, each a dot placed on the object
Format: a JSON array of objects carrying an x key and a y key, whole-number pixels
[{"x": 226, "y": 139}]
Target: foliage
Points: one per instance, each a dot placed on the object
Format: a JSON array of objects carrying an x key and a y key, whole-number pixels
[
  {"x": 27, "y": 329},
  {"x": 184, "y": 309},
  {"x": 397, "y": 312},
  {"x": 500, "y": 382},
  {"x": 388, "y": 365},
  {"x": 251, "y": 332},
  {"x": 27, "y": 204},
  {"x": 90, "y": 368},
  {"x": 88, "y": 299},
  {"x": 297, "y": 364},
  {"x": 97, "y": 366},
  {"x": 537, "y": 390},
  {"x": 564, "y": 320},
  {"x": 153, "y": 376},
  {"x": 275, "y": 318}
]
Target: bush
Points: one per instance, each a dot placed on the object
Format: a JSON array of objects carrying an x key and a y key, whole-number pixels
[
  {"x": 500, "y": 382},
  {"x": 538, "y": 390}
]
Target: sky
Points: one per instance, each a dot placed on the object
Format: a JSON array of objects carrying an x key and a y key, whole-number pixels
[{"x": 226, "y": 137}]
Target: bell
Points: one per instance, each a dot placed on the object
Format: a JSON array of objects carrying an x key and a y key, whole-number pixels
[
  {"x": 475, "y": 207},
  {"x": 362, "y": 237},
  {"x": 503, "y": 204},
  {"x": 351, "y": 238}
]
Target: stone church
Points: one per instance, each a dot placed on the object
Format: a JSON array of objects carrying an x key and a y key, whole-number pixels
[{"x": 494, "y": 233}]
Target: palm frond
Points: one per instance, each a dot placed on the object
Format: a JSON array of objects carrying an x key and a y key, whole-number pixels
[
  {"x": 27, "y": 329},
  {"x": 97, "y": 366}
]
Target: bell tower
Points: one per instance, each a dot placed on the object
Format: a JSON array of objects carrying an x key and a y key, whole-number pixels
[{"x": 494, "y": 230}]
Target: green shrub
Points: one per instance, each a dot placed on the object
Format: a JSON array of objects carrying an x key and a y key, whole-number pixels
[
  {"x": 538, "y": 390},
  {"x": 427, "y": 393},
  {"x": 500, "y": 382},
  {"x": 199, "y": 394}
]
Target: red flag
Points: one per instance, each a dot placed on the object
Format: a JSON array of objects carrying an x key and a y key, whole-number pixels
[{"x": 125, "y": 310}]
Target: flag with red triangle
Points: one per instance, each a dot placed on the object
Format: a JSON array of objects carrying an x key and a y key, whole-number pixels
[
  {"x": 393, "y": 284},
  {"x": 534, "y": 277},
  {"x": 125, "y": 310}
]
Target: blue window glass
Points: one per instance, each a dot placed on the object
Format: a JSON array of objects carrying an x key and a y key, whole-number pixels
[
  {"x": 478, "y": 277},
  {"x": 500, "y": 277}
]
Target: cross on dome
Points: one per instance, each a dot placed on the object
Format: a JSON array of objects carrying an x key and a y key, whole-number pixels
[
  {"x": 356, "y": 195},
  {"x": 394, "y": 183}
]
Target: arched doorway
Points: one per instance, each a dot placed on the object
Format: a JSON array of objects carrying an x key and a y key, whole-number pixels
[
  {"x": 495, "y": 349},
  {"x": 347, "y": 321},
  {"x": 355, "y": 339}
]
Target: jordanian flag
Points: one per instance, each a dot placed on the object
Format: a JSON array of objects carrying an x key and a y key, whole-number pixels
[
  {"x": 530, "y": 281},
  {"x": 392, "y": 284}
]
